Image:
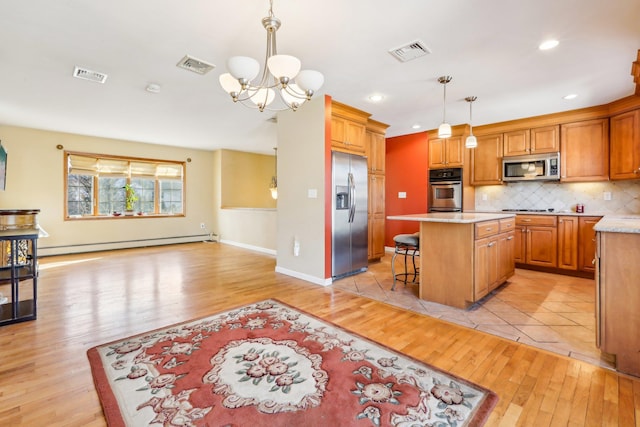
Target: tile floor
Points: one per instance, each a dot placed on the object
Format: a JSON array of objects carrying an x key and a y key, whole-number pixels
[{"x": 549, "y": 311}]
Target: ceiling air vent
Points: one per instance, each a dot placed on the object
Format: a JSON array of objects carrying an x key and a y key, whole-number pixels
[
  {"x": 410, "y": 51},
  {"x": 94, "y": 76},
  {"x": 196, "y": 65}
]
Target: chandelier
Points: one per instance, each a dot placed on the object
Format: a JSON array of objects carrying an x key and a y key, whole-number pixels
[{"x": 278, "y": 76}]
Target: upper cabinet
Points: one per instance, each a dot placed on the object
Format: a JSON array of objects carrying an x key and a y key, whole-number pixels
[
  {"x": 625, "y": 145},
  {"x": 486, "y": 160},
  {"x": 348, "y": 128},
  {"x": 376, "y": 146},
  {"x": 446, "y": 152},
  {"x": 584, "y": 152},
  {"x": 532, "y": 141}
]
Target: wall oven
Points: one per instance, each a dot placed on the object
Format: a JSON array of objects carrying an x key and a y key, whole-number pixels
[{"x": 445, "y": 190}]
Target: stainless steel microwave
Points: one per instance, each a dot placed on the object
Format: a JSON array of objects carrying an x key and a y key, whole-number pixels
[{"x": 532, "y": 167}]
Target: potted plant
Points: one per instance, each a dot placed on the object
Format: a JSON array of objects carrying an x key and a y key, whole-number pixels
[{"x": 130, "y": 198}]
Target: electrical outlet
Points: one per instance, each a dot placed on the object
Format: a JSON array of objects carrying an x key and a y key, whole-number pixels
[
  {"x": 202, "y": 225},
  {"x": 607, "y": 195}
]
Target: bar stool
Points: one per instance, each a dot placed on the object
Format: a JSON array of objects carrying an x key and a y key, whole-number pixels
[{"x": 407, "y": 245}]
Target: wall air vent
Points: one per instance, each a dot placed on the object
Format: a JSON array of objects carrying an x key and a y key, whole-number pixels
[
  {"x": 410, "y": 51},
  {"x": 94, "y": 76},
  {"x": 196, "y": 65}
]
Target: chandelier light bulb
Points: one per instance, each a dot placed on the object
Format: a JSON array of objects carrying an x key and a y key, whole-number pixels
[
  {"x": 310, "y": 80},
  {"x": 284, "y": 66},
  {"x": 263, "y": 97},
  {"x": 291, "y": 100},
  {"x": 229, "y": 83},
  {"x": 243, "y": 67}
]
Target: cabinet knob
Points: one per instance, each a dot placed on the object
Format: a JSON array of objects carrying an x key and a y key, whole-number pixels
[
  {"x": 510, "y": 238},
  {"x": 526, "y": 220}
]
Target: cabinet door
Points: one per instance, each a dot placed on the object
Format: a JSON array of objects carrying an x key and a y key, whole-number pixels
[
  {"x": 376, "y": 194},
  {"x": 545, "y": 139},
  {"x": 482, "y": 267},
  {"x": 506, "y": 257},
  {"x": 376, "y": 238},
  {"x": 355, "y": 136},
  {"x": 486, "y": 160},
  {"x": 584, "y": 151},
  {"x": 455, "y": 151},
  {"x": 376, "y": 152},
  {"x": 516, "y": 143},
  {"x": 437, "y": 153},
  {"x": 625, "y": 145},
  {"x": 568, "y": 242},
  {"x": 337, "y": 131},
  {"x": 376, "y": 216},
  {"x": 542, "y": 246},
  {"x": 587, "y": 243},
  {"x": 520, "y": 244}
]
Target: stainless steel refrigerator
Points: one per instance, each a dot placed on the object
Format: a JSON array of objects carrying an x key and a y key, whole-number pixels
[{"x": 350, "y": 228}]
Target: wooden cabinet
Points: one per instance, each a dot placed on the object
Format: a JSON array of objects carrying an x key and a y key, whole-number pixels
[
  {"x": 568, "y": 237},
  {"x": 587, "y": 243},
  {"x": 348, "y": 128},
  {"x": 375, "y": 152},
  {"x": 536, "y": 240},
  {"x": 618, "y": 298},
  {"x": 446, "y": 152},
  {"x": 376, "y": 216},
  {"x": 532, "y": 141},
  {"x": 494, "y": 262},
  {"x": 486, "y": 160},
  {"x": 625, "y": 146},
  {"x": 584, "y": 152}
]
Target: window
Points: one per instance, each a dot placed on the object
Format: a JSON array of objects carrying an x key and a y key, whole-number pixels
[{"x": 97, "y": 186}]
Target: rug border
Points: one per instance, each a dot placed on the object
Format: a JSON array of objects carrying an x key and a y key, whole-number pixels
[{"x": 108, "y": 399}]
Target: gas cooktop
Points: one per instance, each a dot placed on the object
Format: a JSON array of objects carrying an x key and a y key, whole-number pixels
[{"x": 528, "y": 210}]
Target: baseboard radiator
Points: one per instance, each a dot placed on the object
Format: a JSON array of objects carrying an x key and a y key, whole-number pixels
[{"x": 44, "y": 250}]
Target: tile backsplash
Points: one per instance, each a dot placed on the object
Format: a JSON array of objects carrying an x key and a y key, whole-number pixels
[{"x": 625, "y": 196}]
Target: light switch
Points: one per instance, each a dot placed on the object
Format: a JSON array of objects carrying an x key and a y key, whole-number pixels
[
  {"x": 312, "y": 193},
  {"x": 402, "y": 195}
]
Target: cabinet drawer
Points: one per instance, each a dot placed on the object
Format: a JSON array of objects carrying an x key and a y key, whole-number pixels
[
  {"x": 548, "y": 220},
  {"x": 507, "y": 224},
  {"x": 487, "y": 228}
]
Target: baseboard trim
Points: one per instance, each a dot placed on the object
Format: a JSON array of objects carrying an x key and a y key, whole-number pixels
[{"x": 305, "y": 277}]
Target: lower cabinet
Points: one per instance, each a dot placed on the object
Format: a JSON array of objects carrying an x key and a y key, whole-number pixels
[
  {"x": 568, "y": 235},
  {"x": 565, "y": 243},
  {"x": 536, "y": 240},
  {"x": 494, "y": 262}
]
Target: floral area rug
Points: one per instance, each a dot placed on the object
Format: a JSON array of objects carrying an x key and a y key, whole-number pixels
[{"x": 269, "y": 364}]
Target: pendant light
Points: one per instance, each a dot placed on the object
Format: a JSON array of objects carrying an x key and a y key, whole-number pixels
[
  {"x": 444, "y": 130},
  {"x": 471, "y": 141},
  {"x": 274, "y": 180}
]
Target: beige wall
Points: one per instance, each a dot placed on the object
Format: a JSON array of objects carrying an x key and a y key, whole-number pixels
[
  {"x": 249, "y": 227},
  {"x": 301, "y": 168},
  {"x": 35, "y": 180}
]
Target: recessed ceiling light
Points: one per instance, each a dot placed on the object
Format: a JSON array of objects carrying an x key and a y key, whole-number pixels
[
  {"x": 548, "y": 44},
  {"x": 416, "y": 126},
  {"x": 153, "y": 88},
  {"x": 570, "y": 96},
  {"x": 375, "y": 98}
]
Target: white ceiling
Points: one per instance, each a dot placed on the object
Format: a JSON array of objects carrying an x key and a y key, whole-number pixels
[{"x": 489, "y": 48}]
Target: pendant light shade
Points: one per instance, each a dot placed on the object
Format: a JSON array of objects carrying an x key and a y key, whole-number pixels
[
  {"x": 444, "y": 130},
  {"x": 471, "y": 141}
]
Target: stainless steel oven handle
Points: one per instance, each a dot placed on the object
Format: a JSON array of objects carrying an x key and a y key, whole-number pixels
[{"x": 445, "y": 182}]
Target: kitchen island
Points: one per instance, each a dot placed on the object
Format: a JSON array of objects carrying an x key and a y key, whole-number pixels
[
  {"x": 617, "y": 290},
  {"x": 463, "y": 255}
]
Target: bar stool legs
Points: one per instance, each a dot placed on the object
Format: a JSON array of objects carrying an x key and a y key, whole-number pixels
[{"x": 406, "y": 245}]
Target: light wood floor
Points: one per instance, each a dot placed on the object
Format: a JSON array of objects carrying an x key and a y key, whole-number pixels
[{"x": 90, "y": 299}]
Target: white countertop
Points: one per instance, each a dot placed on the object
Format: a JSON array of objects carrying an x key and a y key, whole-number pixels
[
  {"x": 619, "y": 224},
  {"x": 454, "y": 217}
]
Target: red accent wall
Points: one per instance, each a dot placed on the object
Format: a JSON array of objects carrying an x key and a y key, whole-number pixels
[{"x": 407, "y": 170}]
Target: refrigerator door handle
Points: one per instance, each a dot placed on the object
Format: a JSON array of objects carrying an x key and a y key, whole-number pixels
[{"x": 352, "y": 198}]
